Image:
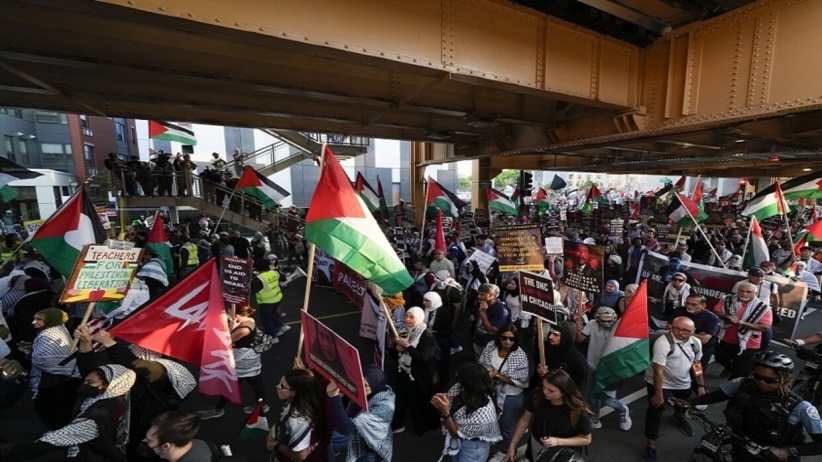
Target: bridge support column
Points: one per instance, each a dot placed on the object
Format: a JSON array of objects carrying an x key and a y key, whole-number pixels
[
  {"x": 420, "y": 152},
  {"x": 481, "y": 171}
]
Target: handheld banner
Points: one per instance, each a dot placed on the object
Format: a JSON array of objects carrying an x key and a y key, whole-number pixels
[
  {"x": 334, "y": 358},
  {"x": 537, "y": 296},
  {"x": 519, "y": 248},
  {"x": 236, "y": 276},
  {"x": 102, "y": 274},
  {"x": 583, "y": 267},
  {"x": 349, "y": 283}
]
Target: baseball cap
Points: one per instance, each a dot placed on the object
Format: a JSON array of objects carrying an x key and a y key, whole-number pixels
[{"x": 756, "y": 271}]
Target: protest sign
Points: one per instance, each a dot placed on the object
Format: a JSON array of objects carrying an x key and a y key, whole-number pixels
[
  {"x": 32, "y": 226},
  {"x": 370, "y": 315},
  {"x": 349, "y": 283},
  {"x": 236, "y": 277},
  {"x": 484, "y": 261},
  {"x": 553, "y": 245},
  {"x": 717, "y": 283},
  {"x": 537, "y": 296},
  {"x": 323, "y": 272},
  {"x": 334, "y": 358},
  {"x": 519, "y": 248},
  {"x": 616, "y": 227},
  {"x": 647, "y": 206},
  {"x": 101, "y": 274},
  {"x": 583, "y": 266}
]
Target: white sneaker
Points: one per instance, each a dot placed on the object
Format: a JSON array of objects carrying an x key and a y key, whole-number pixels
[
  {"x": 498, "y": 457},
  {"x": 283, "y": 330},
  {"x": 625, "y": 421},
  {"x": 211, "y": 414},
  {"x": 701, "y": 407},
  {"x": 250, "y": 409},
  {"x": 596, "y": 424}
]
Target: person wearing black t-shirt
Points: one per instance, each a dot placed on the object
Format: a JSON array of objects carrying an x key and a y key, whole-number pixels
[{"x": 557, "y": 416}]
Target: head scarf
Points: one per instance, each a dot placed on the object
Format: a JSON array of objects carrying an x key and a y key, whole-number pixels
[
  {"x": 52, "y": 317},
  {"x": 611, "y": 299},
  {"x": 434, "y": 298},
  {"x": 376, "y": 378},
  {"x": 414, "y": 334},
  {"x": 418, "y": 314}
]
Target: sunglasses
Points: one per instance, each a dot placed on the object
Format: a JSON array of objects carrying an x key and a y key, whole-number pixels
[
  {"x": 763, "y": 379},
  {"x": 506, "y": 338}
]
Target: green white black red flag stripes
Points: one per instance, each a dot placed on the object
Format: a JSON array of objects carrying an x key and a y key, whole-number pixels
[
  {"x": 256, "y": 425},
  {"x": 757, "y": 250},
  {"x": 9, "y": 171},
  {"x": 367, "y": 193},
  {"x": 61, "y": 238},
  {"x": 165, "y": 131},
  {"x": 256, "y": 185},
  {"x": 682, "y": 210},
  {"x": 340, "y": 224},
  {"x": 626, "y": 353},
  {"x": 766, "y": 203},
  {"x": 158, "y": 243},
  {"x": 500, "y": 202},
  {"x": 806, "y": 186},
  {"x": 437, "y": 197}
]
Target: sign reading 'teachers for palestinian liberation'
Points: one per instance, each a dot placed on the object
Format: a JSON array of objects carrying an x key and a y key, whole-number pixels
[{"x": 102, "y": 274}]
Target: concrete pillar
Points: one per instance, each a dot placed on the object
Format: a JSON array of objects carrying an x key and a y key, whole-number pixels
[
  {"x": 481, "y": 171},
  {"x": 420, "y": 151}
]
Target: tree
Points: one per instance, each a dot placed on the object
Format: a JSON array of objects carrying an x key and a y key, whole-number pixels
[
  {"x": 463, "y": 183},
  {"x": 506, "y": 178}
]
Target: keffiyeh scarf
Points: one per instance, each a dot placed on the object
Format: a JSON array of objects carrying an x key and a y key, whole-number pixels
[
  {"x": 481, "y": 424},
  {"x": 515, "y": 368},
  {"x": 413, "y": 339},
  {"x": 373, "y": 428},
  {"x": 50, "y": 347},
  {"x": 753, "y": 314}
]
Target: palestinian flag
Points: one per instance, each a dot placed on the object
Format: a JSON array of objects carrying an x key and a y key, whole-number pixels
[
  {"x": 500, "y": 202},
  {"x": 63, "y": 235},
  {"x": 557, "y": 183},
  {"x": 341, "y": 225},
  {"x": 515, "y": 196},
  {"x": 257, "y": 425},
  {"x": 682, "y": 210},
  {"x": 366, "y": 192},
  {"x": 158, "y": 243},
  {"x": 804, "y": 187},
  {"x": 800, "y": 241},
  {"x": 757, "y": 250},
  {"x": 626, "y": 352},
  {"x": 256, "y": 185},
  {"x": 590, "y": 196},
  {"x": 165, "y": 131},
  {"x": 439, "y": 238},
  {"x": 437, "y": 197},
  {"x": 815, "y": 230},
  {"x": 383, "y": 203},
  {"x": 9, "y": 171},
  {"x": 766, "y": 203},
  {"x": 668, "y": 187},
  {"x": 698, "y": 200},
  {"x": 541, "y": 200},
  {"x": 680, "y": 184}
]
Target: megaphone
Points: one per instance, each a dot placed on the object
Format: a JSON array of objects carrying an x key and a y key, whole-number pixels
[{"x": 296, "y": 274}]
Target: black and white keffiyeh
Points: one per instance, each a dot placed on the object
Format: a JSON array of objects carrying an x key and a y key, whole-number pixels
[
  {"x": 515, "y": 368},
  {"x": 481, "y": 424},
  {"x": 414, "y": 336},
  {"x": 83, "y": 428},
  {"x": 50, "y": 347},
  {"x": 180, "y": 377}
]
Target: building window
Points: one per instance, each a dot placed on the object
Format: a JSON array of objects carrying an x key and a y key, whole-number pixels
[
  {"x": 84, "y": 121},
  {"x": 15, "y": 113},
  {"x": 24, "y": 152},
  {"x": 121, "y": 131},
  {"x": 65, "y": 190},
  {"x": 133, "y": 135},
  {"x": 88, "y": 153},
  {"x": 9, "y": 144},
  {"x": 56, "y": 154},
  {"x": 50, "y": 118}
]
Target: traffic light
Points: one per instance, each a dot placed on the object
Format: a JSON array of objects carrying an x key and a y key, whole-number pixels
[{"x": 527, "y": 188}]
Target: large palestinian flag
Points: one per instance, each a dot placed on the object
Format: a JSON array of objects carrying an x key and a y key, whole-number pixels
[
  {"x": 682, "y": 211},
  {"x": 62, "y": 237},
  {"x": 757, "y": 250},
  {"x": 766, "y": 203},
  {"x": 256, "y": 185},
  {"x": 169, "y": 132},
  {"x": 500, "y": 202},
  {"x": 626, "y": 352},
  {"x": 340, "y": 224},
  {"x": 437, "y": 197},
  {"x": 806, "y": 186}
]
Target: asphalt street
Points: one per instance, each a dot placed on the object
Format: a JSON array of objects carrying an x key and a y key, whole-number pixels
[{"x": 609, "y": 443}]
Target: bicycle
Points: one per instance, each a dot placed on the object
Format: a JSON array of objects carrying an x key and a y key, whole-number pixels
[
  {"x": 808, "y": 383},
  {"x": 716, "y": 444}
]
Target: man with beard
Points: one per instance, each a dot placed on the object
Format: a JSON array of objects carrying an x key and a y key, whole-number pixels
[{"x": 746, "y": 318}]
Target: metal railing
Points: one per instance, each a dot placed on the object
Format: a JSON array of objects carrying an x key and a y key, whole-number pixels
[{"x": 340, "y": 140}]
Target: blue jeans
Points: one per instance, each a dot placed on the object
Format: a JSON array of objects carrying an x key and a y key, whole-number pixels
[
  {"x": 472, "y": 451},
  {"x": 271, "y": 323},
  {"x": 511, "y": 412},
  {"x": 606, "y": 399}
]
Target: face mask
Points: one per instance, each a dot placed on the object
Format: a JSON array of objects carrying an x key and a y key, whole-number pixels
[
  {"x": 145, "y": 451},
  {"x": 87, "y": 391}
]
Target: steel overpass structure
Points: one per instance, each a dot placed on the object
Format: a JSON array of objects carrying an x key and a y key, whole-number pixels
[{"x": 711, "y": 87}]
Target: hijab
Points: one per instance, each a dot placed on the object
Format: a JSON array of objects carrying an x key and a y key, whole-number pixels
[
  {"x": 376, "y": 379},
  {"x": 52, "y": 317},
  {"x": 418, "y": 314},
  {"x": 610, "y": 299}
]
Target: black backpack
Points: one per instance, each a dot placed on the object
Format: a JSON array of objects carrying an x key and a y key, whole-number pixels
[{"x": 667, "y": 333}]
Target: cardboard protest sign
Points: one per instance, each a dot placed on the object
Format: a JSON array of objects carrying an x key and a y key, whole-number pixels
[
  {"x": 519, "y": 248},
  {"x": 554, "y": 245},
  {"x": 32, "y": 226},
  {"x": 484, "y": 261},
  {"x": 537, "y": 296},
  {"x": 334, "y": 358},
  {"x": 236, "y": 277},
  {"x": 349, "y": 283},
  {"x": 583, "y": 267},
  {"x": 717, "y": 283},
  {"x": 616, "y": 226},
  {"x": 647, "y": 206},
  {"x": 102, "y": 274}
]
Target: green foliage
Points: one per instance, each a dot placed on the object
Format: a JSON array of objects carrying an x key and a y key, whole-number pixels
[
  {"x": 506, "y": 178},
  {"x": 464, "y": 183}
]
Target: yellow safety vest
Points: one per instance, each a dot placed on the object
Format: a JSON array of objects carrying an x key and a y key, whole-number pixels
[
  {"x": 271, "y": 292},
  {"x": 193, "y": 260}
]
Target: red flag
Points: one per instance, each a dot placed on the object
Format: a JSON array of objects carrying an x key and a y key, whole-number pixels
[
  {"x": 814, "y": 215},
  {"x": 780, "y": 199},
  {"x": 188, "y": 323},
  {"x": 816, "y": 230},
  {"x": 697, "y": 195},
  {"x": 680, "y": 183},
  {"x": 439, "y": 242},
  {"x": 635, "y": 211},
  {"x": 712, "y": 192},
  {"x": 802, "y": 242}
]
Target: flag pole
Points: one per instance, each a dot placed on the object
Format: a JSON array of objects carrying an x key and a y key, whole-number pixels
[
  {"x": 388, "y": 318},
  {"x": 704, "y": 236},
  {"x": 747, "y": 241},
  {"x": 422, "y": 226},
  {"x": 225, "y": 207},
  {"x": 312, "y": 250},
  {"x": 782, "y": 204}
]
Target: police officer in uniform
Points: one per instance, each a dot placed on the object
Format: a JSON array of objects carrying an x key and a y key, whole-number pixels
[
  {"x": 267, "y": 293},
  {"x": 762, "y": 408},
  {"x": 189, "y": 259}
]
